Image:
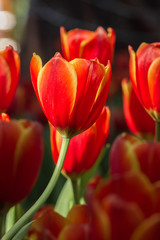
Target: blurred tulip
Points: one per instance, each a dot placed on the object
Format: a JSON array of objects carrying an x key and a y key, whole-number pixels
[
  {"x": 21, "y": 149},
  {"x": 72, "y": 94},
  {"x": 138, "y": 120},
  {"x": 84, "y": 148},
  {"x": 144, "y": 68},
  {"x": 50, "y": 225},
  {"x": 9, "y": 76},
  {"x": 149, "y": 229},
  {"x": 47, "y": 225},
  {"x": 79, "y": 43},
  {"x": 139, "y": 156},
  {"x": 122, "y": 203}
]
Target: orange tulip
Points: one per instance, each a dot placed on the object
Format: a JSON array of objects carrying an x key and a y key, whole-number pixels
[
  {"x": 138, "y": 120},
  {"x": 79, "y": 43},
  {"x": 72, "y": 94},
  {"x": 144, "y": 68},
  {"x": 84, "y": 148},
  {"x": 9, "y": 76},
  {"x": 21, "y": 149}
]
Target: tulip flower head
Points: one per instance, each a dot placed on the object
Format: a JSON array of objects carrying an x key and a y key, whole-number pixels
[
  {"x": 144, "y": 67},
  {"x": 140, "y": 156},
  {"x": 84, "y": 148},
  {"x": 79, "y": 43},
  {"x": 21, "y": 149},
  {"x": 138, "y": 120},
  {"x": 9, "y": 76},
  {"x": 72, "y": 94}
]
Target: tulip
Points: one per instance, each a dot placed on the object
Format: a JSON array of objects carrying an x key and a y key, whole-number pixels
[
  {"x": 139, "y": 156},
  {"x": 72, "y": 94},
  {"x": 138, "y": 120},
  {"x": 144, "y": 68},
  {"x": 9, "y": 76},
  {"x": 79, "y": 43},
  {"x": 47, "y": 224},
  {"x": 84, "y": 148},
  {"x": 119, "y": 205},
  {"x": 21, "y": 149},
  {"x": 50, "y": 225}
]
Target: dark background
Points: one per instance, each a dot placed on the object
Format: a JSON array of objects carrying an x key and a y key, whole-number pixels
[{"x": 134, "y": 21}]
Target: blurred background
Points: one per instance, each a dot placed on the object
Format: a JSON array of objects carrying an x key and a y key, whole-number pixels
[{"x": 33, "y": 26}]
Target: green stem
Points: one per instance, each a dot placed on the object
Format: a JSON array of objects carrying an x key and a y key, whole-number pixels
[
  {"x": 157, "y": 137},
  {"x": 28, "y": 215},
  {"x": 75, "y": 188},
  {"x": 2, "y": 224}
]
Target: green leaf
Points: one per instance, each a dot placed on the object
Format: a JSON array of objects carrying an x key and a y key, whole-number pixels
[
  {"x": 65, "y": 200},
  {"x": 12, "y": 216},
  {"x": 21, "y": 234}
]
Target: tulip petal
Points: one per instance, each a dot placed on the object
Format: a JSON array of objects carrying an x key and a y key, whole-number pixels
[
  {"x": 35, "y": 67},
  {"x": 13, "y": 61},
  {"x": 99, "y": 45},
  {"x": 64, "y": 43},
  {"x": 145, "y": 55},
  {"x": 124, "y": 216},
  {"x": 120, "y": 162},
  {"x": 74, "y": 39},
  {"x": 149, "y": 229},
  {"x": 132, "y": 70},
  {"x": 100, "y": 98},
  {"x": 90, "y": 76},
  {"x": 138, "y": 120},
  {"x": 74, "y": 232},
  {"x": 131, "y": 187},
  {"x": 57, "y": 89},
  {"x": 79, "y": 214},
  {"x": 5, "y": 79},
  {"x": 154, "y": 84},
  {"x": 47, "y": 224}
]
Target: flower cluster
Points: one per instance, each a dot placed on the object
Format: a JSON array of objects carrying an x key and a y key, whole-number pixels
[{"x": 72, "y": 90}]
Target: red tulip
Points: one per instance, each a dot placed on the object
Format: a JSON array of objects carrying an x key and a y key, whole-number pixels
[
  {"x": 9, "y": 76},
  {"x": 144, "y": 67},
  {"x": 79, "y": 43},
  {"x": 47, "y": 224},
  {"x": 72, "y": 94},
  {"x": 119, "y": 205},
  {"x": 50, "y": 225},
  {"x": 21, "y": 148},
  {"x": 139, "y": 156},
  {"x": 149, "y": 229},
  {"x": 84, "y": 148},
  {"x": 138, "y": 120}
]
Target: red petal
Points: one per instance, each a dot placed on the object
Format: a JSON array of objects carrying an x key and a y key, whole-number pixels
[
  {"x": 57, "y": 89},
  {"x": 35, "y": 67}
]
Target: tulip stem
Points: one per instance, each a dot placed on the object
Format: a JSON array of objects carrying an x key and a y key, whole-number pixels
[
  {"x": 75, "y": 188},
  {"x": 157, "y": 137},
  {"x": 28, "y": 215}
]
